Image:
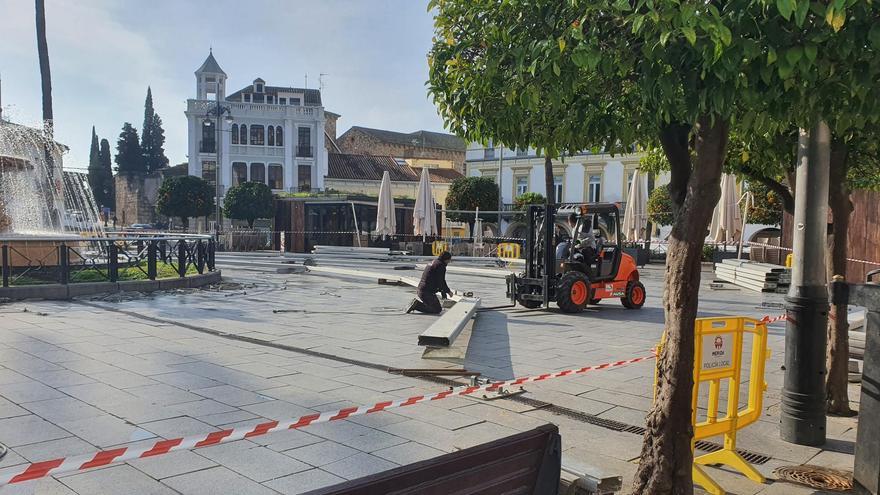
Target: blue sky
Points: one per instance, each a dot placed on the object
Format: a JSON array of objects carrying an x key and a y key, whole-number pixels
[{"x": 104, "y": 53}]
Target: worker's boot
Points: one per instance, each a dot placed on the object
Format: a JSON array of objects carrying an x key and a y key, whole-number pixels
[{"x": 412, "y": 306}]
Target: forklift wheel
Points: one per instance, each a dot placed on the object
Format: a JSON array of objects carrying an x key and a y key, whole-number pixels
[
  {"x": 635, "y": 295},
  {"x": 527, "y": 303},
  {"x": 573, "y": 292}
]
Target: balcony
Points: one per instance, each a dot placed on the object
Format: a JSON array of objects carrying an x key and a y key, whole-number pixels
[{"x": 305, "y": 151}]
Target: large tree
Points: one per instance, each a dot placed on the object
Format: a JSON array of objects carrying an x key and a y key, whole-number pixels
[
  {"x": 152, "y": 137},
  {"x": 470, "y": 193},
  {"x": 54, "y": 183},
  {"x": 129, "y": 157},
  {"x": 109, "y": 186},
  {"x": 248, "y": 201},
  {"x": 184, "y": 197},
  {"x": 100, "y": 179},
  {"x": 674, "y": 74}
]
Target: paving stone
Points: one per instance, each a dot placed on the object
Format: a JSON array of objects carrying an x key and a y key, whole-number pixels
[
  {"x": 53, "y": 449},
  {"x": 42, "y": 486},
  {"x": 8, "y": 409},
  {"x": 177, "y": 427},
  {"x": 232, "y": 396},
  {"x": 185, "y": 381},
  {"x": 122, "y": 379},
  {"x": 97, "y": 394},
  {"x": 235, "y": 416},
  {"x": 359, "y": 465},
  {"x": 320, "y": 454},
  {"x": 24, "y": 430},
  {"x": 257, "y": 463},
  {"x": 408, "y": 453},
  {"x": 29, "y": 391},
  {"x": 8, "y": 376},
  {"x": 63, "y": 409},
  {"x": 121, "y": 479},
  {"x": 172, "y": 464},
  {"x": 304, "y": 482},
  {"x": 105, "y": 431},
  {"x": 61, "y": 378},
  {"x": 161, "y": 393}
]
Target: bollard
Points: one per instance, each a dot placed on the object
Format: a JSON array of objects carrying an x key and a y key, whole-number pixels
[
  {"x": 181, "y": 258},
  {"x": 64, "y": 263},
  {"x": 113, "y": 262},
  {"x": 151, "y": 260},
  {"x": 866, "y": 468},
  {"x": 5, "y": 266}
]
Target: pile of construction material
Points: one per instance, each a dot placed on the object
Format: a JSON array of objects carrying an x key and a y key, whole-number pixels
[
  {"x": 759, "y": 277},
  {"x": 350, "y": 250}
]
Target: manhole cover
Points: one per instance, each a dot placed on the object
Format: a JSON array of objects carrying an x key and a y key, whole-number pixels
[{"x": 816, "y": 477}]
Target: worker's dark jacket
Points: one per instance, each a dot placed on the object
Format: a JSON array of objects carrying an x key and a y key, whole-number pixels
[{"x": 434, "y": 279}]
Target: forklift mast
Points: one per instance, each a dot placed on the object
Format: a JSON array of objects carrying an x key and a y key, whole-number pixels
[{"x": 540, "y": 251}]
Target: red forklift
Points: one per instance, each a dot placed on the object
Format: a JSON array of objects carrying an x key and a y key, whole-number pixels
[{"x": 589, "y": 268}]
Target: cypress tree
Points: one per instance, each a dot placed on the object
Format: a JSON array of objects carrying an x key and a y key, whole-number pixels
[
  {"x": 129, "y": 157},
  {"x": 108, "y": 186},
  {"x": 152, "y": 137},
  {"x": 95, "y": 169}
]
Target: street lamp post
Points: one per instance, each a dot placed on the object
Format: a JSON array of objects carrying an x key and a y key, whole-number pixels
[{"x": 217, "y": 111}]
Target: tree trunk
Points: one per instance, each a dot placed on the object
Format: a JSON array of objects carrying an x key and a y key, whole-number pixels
[
  {"x": 548, "y": 180},
  {"x": 48, "y": 120},
  {"x": 837, "y": 358},
  {"x": 667, "y": 459}
]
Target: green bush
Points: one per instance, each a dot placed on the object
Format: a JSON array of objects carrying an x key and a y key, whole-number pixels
[
  {"x": 249, "y": 201},
  {"x": 470, "y": 193},
  {"x": 184, "y": 197}
]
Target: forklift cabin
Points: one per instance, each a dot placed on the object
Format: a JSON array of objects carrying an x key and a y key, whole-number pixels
[{"x": 590, "y": 268}]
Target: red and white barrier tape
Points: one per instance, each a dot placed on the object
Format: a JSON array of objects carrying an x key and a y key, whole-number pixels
[
  {"x": 768, "y": 319},
  {"x": 82, "y": 462}
]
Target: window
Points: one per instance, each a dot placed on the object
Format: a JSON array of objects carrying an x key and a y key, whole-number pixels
[
  {"x": 522, "y": 152},
  {"x": 557, "y": 188},
  {"x": 247, "y": 97},
  {"x": 258, "y": 173},
  {"x": 258, "y": 87},
  {"x": 242, "y": 132},
  {"x": 270, "y": 132},
  {"x": 295, "y": 101},
  {"x": 208, "y": 138},
  {"x": 276, "y": 176},
  {"x": 257, "y": 135},
  {"x": 239, "y": 173},
  {"x": 270, "y": 99},
  {"x": 279, "y": 136},
  {"x": 304, "y": 178},
  {"x": 209, "y": 171},
  {"x": 304, "y": 142},
  {"x": 282, "y": 101},
  {"x": 594, "y": 189},
  {"x": 522, "y": 185},
  {"x": 488, "y": 153},
  {"x": 234, "y": 133}
]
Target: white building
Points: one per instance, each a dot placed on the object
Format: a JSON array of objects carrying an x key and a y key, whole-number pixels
[
  {"x": 269, "y": 134},
  {"x": 585, "y": 177}
]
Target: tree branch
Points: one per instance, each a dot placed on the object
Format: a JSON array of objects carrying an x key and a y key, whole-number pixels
[{"x": 674, "y": 139}]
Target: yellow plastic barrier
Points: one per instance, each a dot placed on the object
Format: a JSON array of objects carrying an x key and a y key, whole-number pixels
[
  {"x": 788, "y": 259},
  {"x": 718, "y": 351},
  {"x": 508, "y": 250},
  {"x": 437, "y": 247}
]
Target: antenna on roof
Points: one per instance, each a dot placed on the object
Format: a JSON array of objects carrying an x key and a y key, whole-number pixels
[
  {"x": 321, "y": 81},
  {"x": 307, "y": 81}
]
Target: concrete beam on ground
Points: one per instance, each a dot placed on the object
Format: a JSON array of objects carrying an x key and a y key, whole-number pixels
[{"x": 444, "y": 331}]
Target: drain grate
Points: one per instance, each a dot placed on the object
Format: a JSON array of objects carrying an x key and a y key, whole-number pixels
[{"x": 818, "y": 477}]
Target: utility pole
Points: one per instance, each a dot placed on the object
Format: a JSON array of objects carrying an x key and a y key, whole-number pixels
[
  {"x": 500, "y": 189},
  {"x": 806, "y": 306}
]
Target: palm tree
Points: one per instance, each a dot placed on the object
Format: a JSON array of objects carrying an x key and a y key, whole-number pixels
[{"x": 46, "y": 81}]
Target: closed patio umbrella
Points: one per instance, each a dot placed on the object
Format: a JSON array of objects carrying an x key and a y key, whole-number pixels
[
  {"x": 425, "y": 213},
  {"x": 386, "y": 223},
  {"x": 726, "y": 223},
  {"x": 635, "y": 217}
]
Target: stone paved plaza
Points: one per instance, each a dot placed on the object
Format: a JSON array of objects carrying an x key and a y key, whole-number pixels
[{"x": 100, "y": 373}]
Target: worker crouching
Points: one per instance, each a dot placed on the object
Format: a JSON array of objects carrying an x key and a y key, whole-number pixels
[{"x": 433, "y": 281}]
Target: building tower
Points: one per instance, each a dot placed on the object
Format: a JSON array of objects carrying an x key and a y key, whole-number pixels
[{"x": 210, "y": 80}]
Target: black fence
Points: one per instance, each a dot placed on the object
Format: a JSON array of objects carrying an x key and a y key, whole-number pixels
[{"x": 34, "y": 261}]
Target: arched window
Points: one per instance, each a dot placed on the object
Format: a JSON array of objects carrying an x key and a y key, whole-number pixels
[
  {"x": 279, "y": 136},
  {"x": 258, "y": 173},
  {"x": 239, "y": 173},
  {"x": 234, "y": 133},
  {"x": 270, "y": 135},
  {"x": 258, "y": 135},
  {"x": 243, "y": 134}
]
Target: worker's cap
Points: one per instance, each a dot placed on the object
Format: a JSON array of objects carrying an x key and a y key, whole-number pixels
[{"x": 445, "y": 256}]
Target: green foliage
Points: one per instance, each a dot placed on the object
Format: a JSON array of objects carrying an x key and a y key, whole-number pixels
[
  {"x": 129, "y": 157},
  {"x": 163, "y": 270},
  {"x": 470, "y": 193},
  {"x": 152, "y": 138},
  {"x": 767, "y": 208},
  {"x": 660, "y": 206},
  {"x": 522, "y": 201},
  {"x": 101, "y": 176},
  {"x": 184, "y": 197},
  {"x": 249, "y": 201},
  {"x": 708, "y": 252}
]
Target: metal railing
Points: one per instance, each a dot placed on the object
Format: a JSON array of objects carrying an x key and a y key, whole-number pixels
[{"x": 148, "y": 256}]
